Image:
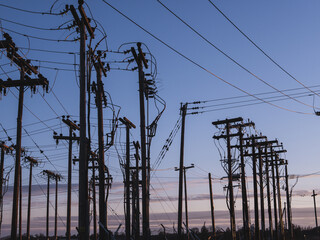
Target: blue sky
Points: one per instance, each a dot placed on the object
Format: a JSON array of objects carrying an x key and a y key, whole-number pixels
[{"x": 286, "y": 30}]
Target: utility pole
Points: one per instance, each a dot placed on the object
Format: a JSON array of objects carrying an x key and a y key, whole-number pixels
[
  {"x": 57, "y": 178},
  {"x": 279, "y": 198},
  {"x": 50, "y": 175},
  {"x": 128, "y": 125},
  {"x": 183, "y": 111},
  {"x": 136, "y": 195},
  {"x": 83, "y": 24},
  {"x": 93, "y": 185},
  {"x": 274, "y": 193},
  {"x": 20, "y": 206},
  {"x": 100, "y": 96},
  {"x": 185, "y": 195},
  {"x": 315, "y": 209},
  {"x": 72, "y": 127},
  {"x": 33, "y": 162},
  {"x": 263, "y": 228},
  {"x": 288, "y": 202},
  {"x": 255, "y": 190},
  {"x": 141, "y": 61},
  {"x": 25, "y": 67},
  {"x": 212, "y": 209},
  {"x": 268, "y": 194},
  {"x": 4, "y": 149},
  {"x": 228, "y": 136},
  {"x": 245, "y": 208}
]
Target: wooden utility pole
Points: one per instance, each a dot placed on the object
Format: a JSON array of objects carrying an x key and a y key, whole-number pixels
[
  {"x": 83, "y": 24},
  {"x": 255, "y": 190},
  {"x": 141, "y": 61},
  {"x": 263, "y": 228},
  {"x": 94, "y": 199},
  {"x": 268, "y": 195},
  {"x": 245, "y": 208},
  {"x": 288, "y": 202},
  {"x": 315, "y": 209},
  {"x": 279, "y": 198},
  {"x": 33, "y": 162},
  {"x": 228, "y": 136},
  {"x": 100, "y": 96},
  {"x": 136, "y": 195},
  {"x": 20, "y": 205},
  {"x": 50, "y": 175},
  {"x": 57, "y": 178},
  {"x": 72, "y": 127},
  {"x": 185, "y": 195},
  {"x": 128, "y": 125},
  {"x": 212, "y": 209},
  {"x": 183, "y": 111},
  {"x": 274, "y": 194},
  {"x": 4, "y": 149},
  {"x": 24, "y": 67}
]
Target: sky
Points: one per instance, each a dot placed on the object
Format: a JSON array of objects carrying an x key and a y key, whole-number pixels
[{"x": 189, "y": 68}]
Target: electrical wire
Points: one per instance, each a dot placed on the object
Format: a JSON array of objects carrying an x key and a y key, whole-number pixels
[
  {"x": 259, "y": 48},
  {"x": 229, "y": 57},
  {"x": 34, "y": 12},
  {"x": 200, "y": 66}
]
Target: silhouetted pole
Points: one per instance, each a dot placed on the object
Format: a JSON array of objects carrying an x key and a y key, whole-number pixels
[
  {"x": 183, "y": 110},
  {"x": 261, "y": 194},
  {"x": 56, "y": 211},
  {"x": 83, "y": 216},
  {"x": 47, "y": 222},
  {"x": 140, "y": 59},
  {"x": 94, "y": 199},
  {"x": 212, "y": 208},
  {"x": 17, "y": 176},
  {"x": 288, "y": 203},
  {"x": 20, "y": 206},
  {"x": 68, "y": 233},
  {"x": 245, "y": 209},
  {"x": 32, "y": 163},
  {"x": 128, "y": 125},
  {"x": 137, "y": 192},
  {"x": 315, "y": 208},
  {"x": 275, "y": 211},
  {"x": 268, "y": 196},
  {"x": 228, "y": 136},
  {"x": 255, "y": 191},
  {"x": 186, "y": 198},
  {"x": 279, "y": 198},
  {"x": 102, "y": 200},
  {"x": 4, "y": 148}
]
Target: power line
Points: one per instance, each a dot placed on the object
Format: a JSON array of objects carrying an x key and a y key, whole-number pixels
[
  {"x": 200, "y": 66},
  {"x": 34, "y": 27},
  {"x": 229, "y": 57},
  {"x": 264, "y": 53},
  {"x": 39, "y": 38},
  {"x": 34, "y": 12}
]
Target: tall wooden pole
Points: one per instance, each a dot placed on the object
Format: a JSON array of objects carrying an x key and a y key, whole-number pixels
[
  {"x": 183, "y": 114},
  {"x": 255, "y": 191},
  {"x": 29, "y": 201},
  {"x": 212, "y": 208},
  {"x": 288, "y": 203},
  {"x": 83, "y": 154},
  {"x": 68, "y": 233},
  {"x": 279, "y": 198},
  {"x": 268, "y": 196},
  {"x": 275, "y": 211},
  {"x": 17, "y": 176},
  {"x": 245, "y": 208},
  {"x": 263, "y": 229}
]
